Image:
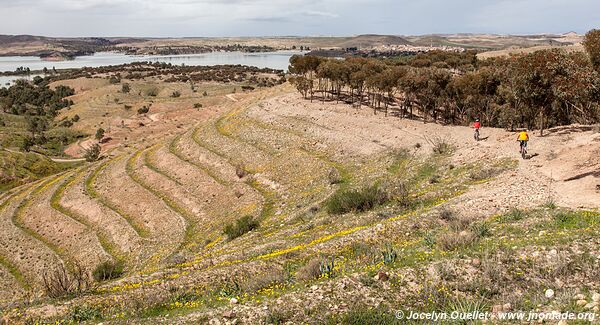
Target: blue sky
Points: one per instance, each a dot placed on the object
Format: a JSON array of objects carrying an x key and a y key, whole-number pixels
[{"x": 177, "y": 18}]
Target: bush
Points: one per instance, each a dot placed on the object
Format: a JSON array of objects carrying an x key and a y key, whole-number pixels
[
  {"x": 514, "y": 215},
  {"x": 92, "y": 153},
  {"x": 197, "y": 105},
  {"x": 310, "y": 271},
  {"x": 334, "y": 176},
  {"x": 440, "y": 146},
  {"x": 99, "y": 134},
  {"x": 84, "y": 313},
  {"x": 125, "y": 88},
  {"x": 344, "y": 201},
  {"x": 450, "y": 241},
  {"x": 75, "y": 118},
  {"x": 60, "y": 282},
  {"x": 263, "y": 280},
  {"x": 108, "y": 270},
  {"x": 176, "y": 94},
  {"x": 152, "y": 92},
  {"x": 243, "y": 225},
  {"x": 144, "y": 110}
]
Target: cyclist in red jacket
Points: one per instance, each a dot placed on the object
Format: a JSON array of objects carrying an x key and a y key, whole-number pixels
[{"x": 476, "y": 126}]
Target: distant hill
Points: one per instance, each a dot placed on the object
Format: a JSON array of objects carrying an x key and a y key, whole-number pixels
[{"x": 370, "y": 40}]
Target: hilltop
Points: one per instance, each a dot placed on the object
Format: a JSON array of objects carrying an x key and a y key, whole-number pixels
[{"x": 45, "y": 46}]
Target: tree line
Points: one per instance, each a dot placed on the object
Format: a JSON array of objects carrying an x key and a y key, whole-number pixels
[
  {"x": 39, "y": 105},
  {"x": 538, "y": 90}
]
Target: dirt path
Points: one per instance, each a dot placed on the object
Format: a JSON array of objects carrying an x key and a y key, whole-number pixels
[
  {"x": 563, "y": 166},
  {"x": 58, "y": 160},
  {"x": 230, "y": 97}
]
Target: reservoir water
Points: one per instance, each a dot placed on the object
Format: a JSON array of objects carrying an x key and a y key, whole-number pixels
[{"x": 274, "y": 60}]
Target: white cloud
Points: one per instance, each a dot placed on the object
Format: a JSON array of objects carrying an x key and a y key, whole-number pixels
[{"x": 292, "y": 17}]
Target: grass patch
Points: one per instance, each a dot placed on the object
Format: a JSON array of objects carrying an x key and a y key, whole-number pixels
[
  {"x": 359, "y": 200},
  {"x": 241, "y": 226},
  {"x": 108, "y": 270},
  {"x": 20, "y": 168},
  {"x": 366, "y": 315},
  {"x": 513, "y": 215}
]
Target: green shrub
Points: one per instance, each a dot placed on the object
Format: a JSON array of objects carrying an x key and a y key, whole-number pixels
[
  {"x": 481, "y": 229},
  {"x": 389, "y": 255},
  {"x": 367, "y": 198},
  {"x": 92, "y": 153},
  {"x": 99, "y": 134},
  {"x": 514, "y": 215},
  {"x": 84, "y": 313},
  {"x": 564, "y": 219},
  {"x": 242, "y": 225},
  {"x": 108, "y": 270}
]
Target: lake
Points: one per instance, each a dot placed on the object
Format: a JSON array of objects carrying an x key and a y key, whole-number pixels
[{"x": 274, "y": 60}]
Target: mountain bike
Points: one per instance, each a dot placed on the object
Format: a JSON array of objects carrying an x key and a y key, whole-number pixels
[{"x": 523, "y": 149}]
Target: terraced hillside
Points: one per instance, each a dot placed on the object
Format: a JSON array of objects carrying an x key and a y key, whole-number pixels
[{"x": 353, "y": 215}]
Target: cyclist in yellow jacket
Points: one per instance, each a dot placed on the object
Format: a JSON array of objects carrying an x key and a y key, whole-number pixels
[{"x": 523, "y": 138}]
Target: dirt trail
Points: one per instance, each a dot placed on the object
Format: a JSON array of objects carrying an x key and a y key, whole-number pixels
[{"x": 562, "y": 167}]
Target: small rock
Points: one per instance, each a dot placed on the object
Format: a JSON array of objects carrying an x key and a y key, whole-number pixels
[
  {"x": 581, "y": 302},
  {"x": 382, "y": 276},
  {"x": 590, "y": 305},
  {"x": 596, "y": 309},
  {"x": 476, "y": 262},
  {"x": 580, "y": 297},
  {"x": 549, "y": 293},
  {"x": 596, "y": 297},
  {"x": 553, "y": 252},
  {"x": 233, "y": 301},
  {"x": 542, "y": 233},
  {"x": 229, "y": 314},
  {"x": 314, "y": 287},
  {"x": 562, "y": 322},
  {"x": 507, "y": 307},
  {"x": 496, "y": 309}
]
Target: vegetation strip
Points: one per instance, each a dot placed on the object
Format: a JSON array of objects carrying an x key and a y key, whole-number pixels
[
  {"x": 208, "y": 171},
  {"x": 190, "y": 223},
  {"x": 107, "y": 244},
  {"x": 140, "y": 229},
  {"x": 9, "y": 266},
  {"x": 17, "y": 216}
]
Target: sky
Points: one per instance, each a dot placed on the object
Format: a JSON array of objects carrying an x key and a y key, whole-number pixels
[{"x": 213, "y": 18}]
